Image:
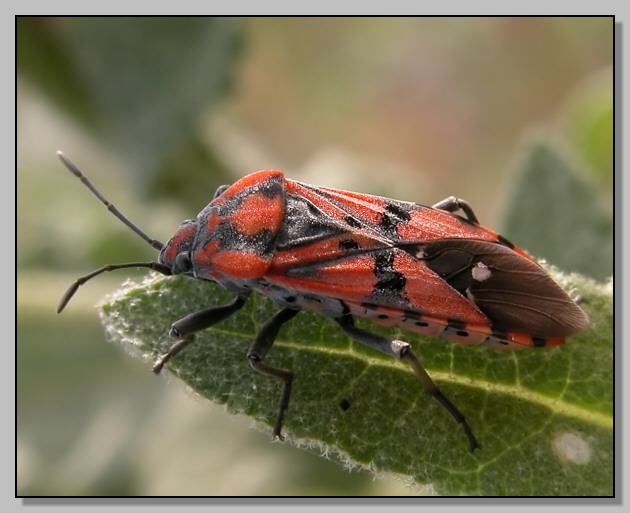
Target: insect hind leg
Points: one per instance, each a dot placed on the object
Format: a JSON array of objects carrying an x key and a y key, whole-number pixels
[
  {"x": 453, "y": 204},
  {"x": 432, "y": 388},
  {"x": 402, "y": 350}
]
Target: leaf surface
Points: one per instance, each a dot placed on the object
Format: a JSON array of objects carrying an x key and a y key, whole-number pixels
[{"x": 543, "y": 417}]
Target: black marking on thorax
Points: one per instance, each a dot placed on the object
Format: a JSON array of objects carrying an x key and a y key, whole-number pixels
[
  {"x": 304, "y": 223},
  {"x": 230, "y": 239}
]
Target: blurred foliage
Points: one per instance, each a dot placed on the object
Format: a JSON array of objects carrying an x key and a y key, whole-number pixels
[
  {"x": 587, "y": 118},
  {"x": 554, "y": 212},
  {"x": 170, "y": 108},
  {"x": 139, "y": 84}
]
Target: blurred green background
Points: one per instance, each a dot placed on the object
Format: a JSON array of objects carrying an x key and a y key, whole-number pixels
[{"x": 159, "y": 112}]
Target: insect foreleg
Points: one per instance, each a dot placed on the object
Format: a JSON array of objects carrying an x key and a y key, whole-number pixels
[
  {"x": 256, "y": 356},
  {"x": 403, "y": 351},
  {"x": 185, "y": 328}
]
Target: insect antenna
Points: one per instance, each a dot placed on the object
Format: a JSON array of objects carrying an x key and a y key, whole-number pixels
[
  {"x": 77, "y": 172},
  {"x": 156, "y": 266},
  {"x": 161, "y": 268}
]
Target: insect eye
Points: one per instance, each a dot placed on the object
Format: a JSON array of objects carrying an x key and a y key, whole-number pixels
[{"x": 182, "y": 263}]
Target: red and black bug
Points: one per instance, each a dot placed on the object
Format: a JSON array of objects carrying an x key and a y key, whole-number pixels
[{"x": 346, "y": 254}]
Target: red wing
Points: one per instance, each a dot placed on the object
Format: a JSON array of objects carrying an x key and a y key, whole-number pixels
[
  {"x": 335, "y": 223},
  {"x": 411, "y": 258},
  {"x": 388, "y": 219},
  {"x": 387, "y": 277},
  {"x": 346, "y": 245}
]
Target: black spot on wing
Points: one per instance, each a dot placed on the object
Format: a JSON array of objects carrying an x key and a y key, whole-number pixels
[
  {"x": 394, "y": 215},
  {"x": 348, "y": 244},
  {"x": 353, "y": 222},
  {"x": 390, "y": 283}
]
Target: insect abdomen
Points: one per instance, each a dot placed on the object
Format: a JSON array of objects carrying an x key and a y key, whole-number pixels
[{"x": 457, "y": 331}]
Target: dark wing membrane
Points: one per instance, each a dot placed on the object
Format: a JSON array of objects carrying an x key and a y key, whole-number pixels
[{"x": 515, "y": 293}]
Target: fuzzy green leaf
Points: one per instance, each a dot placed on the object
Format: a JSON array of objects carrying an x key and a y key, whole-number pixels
[{"x": 543, "y": 417}]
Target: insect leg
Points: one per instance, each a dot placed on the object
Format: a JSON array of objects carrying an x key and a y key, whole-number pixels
[
  {"x": 453, "y": 204},
  {"x": 403, "y": 351},
  {"x": 184, "y": 330},
  {"x": 256, "y": 356}
]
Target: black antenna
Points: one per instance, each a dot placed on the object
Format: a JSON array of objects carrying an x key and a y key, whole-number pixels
[
  {"x": 156, "y": 266},
  {"x": 76, "y": 172}
]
